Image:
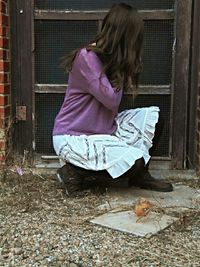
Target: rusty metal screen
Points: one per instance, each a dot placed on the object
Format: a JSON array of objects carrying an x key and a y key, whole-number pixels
[{"x": 102, "y": 4}]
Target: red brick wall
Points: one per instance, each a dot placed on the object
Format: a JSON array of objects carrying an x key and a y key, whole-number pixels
[{"x": 4, "y": 77}]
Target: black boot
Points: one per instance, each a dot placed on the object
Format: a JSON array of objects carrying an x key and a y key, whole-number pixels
[
  {"x": 150, "y": 183},
  {"x": 142, "y": 178},
  {"x": 71, "y": 180},
  {"x": 145, "y": 180},
  {"x": 75, "y": 179}
]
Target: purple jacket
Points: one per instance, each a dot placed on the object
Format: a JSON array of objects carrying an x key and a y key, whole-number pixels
[{"x": 91, "y": 104}]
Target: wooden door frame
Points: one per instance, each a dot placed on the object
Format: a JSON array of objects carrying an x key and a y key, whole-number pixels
[
  {"x": 181, "y": 78},
  {"x": 22, "y": 73},
  {"x": 193, "y": 90},
  {"x": 22, "y": 78}
]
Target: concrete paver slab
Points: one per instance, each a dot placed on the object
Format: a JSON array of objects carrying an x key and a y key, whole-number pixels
[
  {"x": 182, "y": 198},
  {"x": 127, "y": 221}
]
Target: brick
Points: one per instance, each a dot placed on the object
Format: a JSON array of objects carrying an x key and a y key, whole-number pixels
[
  {"x": 5, "y": 1},
  {"x": 2, "y": 153},
  {"x": 2, "y": 159},
  {"x": 3, "y": 19},
  {"x": 4, "y": 88},
  {"x": 2, "y": 123},
  {"x": 4, "y": 65},
  {"x": 4, "y": 43},
  {"x": 3, "y": 31},
  {"x": 3, "y": 100},
  {"x": 3, "y": 8},
  {"x": 4, "y": 111},
  {"x": 4, "y": 77},
  {"x": 2, "y": 133},
  {"x": 2, "y": 145},
  {"x": 3, "y": 54}
]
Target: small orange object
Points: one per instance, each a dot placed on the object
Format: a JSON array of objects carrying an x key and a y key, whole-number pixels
[{"x": 142, "y": 207}]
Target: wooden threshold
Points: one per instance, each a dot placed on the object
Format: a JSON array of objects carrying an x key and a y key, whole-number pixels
[
  {"x": 52, "y": 162},
  {"x": 167, "y": 14}
]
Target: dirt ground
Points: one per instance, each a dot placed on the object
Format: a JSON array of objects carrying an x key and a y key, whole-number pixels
[{"x": 40, "y": 226}]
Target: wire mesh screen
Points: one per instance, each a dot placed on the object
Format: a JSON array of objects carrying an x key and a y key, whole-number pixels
[
  {"x": 157, "y": 57},
  {"x": 103, "y": 4},
  {"x": 56, "y": 38},
  {"x": 47, "y": 106},
  {"x": 53, "y": 40},
  {"x": 161, "y": 101}
]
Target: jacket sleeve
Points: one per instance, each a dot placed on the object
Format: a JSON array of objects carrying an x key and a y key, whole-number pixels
[{"x": 97, "y": 83}]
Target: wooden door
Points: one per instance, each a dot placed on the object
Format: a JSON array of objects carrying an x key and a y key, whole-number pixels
[{"x": 55, "y": 27}]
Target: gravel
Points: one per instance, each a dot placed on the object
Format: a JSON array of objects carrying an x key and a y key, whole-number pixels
[{"x": 40, "y": 226}]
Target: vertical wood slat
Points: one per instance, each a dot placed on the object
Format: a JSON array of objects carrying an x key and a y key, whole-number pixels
[
  {"x": 22, "y": 76},
  {"x": 181, "y": 83},
  {"x": 195, "y": 46}
]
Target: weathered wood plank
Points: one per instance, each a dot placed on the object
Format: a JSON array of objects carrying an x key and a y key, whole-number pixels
[
  {"x": 143, "y": 89},
  {"x": 52, "y": 162},
  {"x": 193, "y": 92},
  {"x": 21, "y": 64},
  {"x": 98, "y": 15},
  {"x": 181, "y": 83}
]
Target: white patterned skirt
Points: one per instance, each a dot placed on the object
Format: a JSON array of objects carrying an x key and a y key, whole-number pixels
[{"x": 115, "y": 153}]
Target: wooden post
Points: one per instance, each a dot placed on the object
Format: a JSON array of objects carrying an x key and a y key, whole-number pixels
[
  {"x": 22, "y": 73},
  {"x": 181, "y": 83},
  {"x": 193, "y": 93}
]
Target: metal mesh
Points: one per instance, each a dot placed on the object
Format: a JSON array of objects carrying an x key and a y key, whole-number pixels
[
  {"x": 164, "y": 103},
  {"x": 53, "y": 40},
  {"x": 47, "y": 106},
  {"x": 157, "y": 57},
  {"x": 103, "y": 4}
]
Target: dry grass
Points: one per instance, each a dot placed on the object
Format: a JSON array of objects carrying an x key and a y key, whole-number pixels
[{"x": 40, "y": 226}]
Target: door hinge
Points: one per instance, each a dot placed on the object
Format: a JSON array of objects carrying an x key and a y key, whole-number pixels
[{"x": 21, "y": 113}]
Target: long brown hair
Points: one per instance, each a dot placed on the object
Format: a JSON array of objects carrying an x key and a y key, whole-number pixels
[{"x": 119, "y": 46}]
